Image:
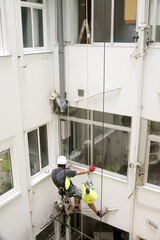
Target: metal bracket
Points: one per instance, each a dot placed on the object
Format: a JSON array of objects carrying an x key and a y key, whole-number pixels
[
  {"x": 140, "y": 172},
  {"x": 135, "y": 164},
  {"x": 139, "y": 166}
]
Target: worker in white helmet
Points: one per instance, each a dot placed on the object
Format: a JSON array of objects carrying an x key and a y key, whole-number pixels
[{"x": 59, "y": 177}]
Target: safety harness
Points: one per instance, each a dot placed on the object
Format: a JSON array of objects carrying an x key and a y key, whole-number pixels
[{"x": 63, "y": 190}]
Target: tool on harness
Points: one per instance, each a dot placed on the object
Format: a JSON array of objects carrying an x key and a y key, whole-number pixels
[{"x": 89, "y": 194}]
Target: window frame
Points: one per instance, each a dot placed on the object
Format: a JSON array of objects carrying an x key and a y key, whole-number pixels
[
  {"x": 46, "y": 168},
  {"x": 93, "y": 123},
  {"x": 32, "y": 6}
]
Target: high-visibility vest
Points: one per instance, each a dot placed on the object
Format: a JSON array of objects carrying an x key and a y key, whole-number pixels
[{"x": 67, "y": 183}]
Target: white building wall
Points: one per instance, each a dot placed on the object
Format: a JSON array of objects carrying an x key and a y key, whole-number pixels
[{"x": 26, "y": 82}]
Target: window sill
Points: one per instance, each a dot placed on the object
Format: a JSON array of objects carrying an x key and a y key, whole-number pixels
[
  {"x": 155, "y": 45},
  {"x": 101, "y": 44},
  {"x": 9, "y": 196},
  {"x": 98, "y": 171},
  {"x": 152, "y": 188},
  {"x": 37, "y": 52},
  {"x": 41, "y": 177},
  {"x": 5, "y": 55}
]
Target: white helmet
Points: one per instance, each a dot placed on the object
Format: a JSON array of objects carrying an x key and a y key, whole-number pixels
[{"x": 62, "y": 160}]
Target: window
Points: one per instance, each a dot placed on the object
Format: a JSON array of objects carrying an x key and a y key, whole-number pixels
[
  {"x": 154, "y": 154},
  {"x": 92, "y": 142},
  {"x": 112, "y": 146},
  {"x": 33, "y": 23},
  {"x": 154, "y": 20},
  {"x": 6, "y": 179},
  {"x": 77, "y": 21},
  {"x": 106, "y": 20},
  {"x": 38, "y": 149},
  {"x": 114, "y": 20}
]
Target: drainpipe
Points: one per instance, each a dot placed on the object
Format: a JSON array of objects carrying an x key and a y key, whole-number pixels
[
  {"x": 142, "y": 28},
  {"x": 61, "y": 101}
]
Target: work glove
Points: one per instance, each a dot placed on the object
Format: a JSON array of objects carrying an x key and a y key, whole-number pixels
[{"x": 91, "y": 168}]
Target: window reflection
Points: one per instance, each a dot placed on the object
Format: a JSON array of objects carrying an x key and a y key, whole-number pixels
[
  {"x": 79, "y": 143},
  {"x": 124, "y": 20},
  {"x": 154, "y": 128},
  {"x": 112, "y": 118},
  {"x": 91, "y": 143},
  {"x": 6, "y": 179},
  {"x": 79, "y": 113},
  {"x": 38, "y": 149},
  {"x": 102, "y": 27},
  {"x": 154, "y": 163},
  {"x": 26, "y": 27},
  {"x": 111, "y": 149},
  {"x": 154, "y": 20},
  {"x": 38, "y": 27},
  {"x": 43, "y": 145},
  {"x": 33, "y": 152}
]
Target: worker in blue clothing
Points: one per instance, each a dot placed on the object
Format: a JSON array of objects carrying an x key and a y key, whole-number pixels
[{"x": 59, "y": 176}]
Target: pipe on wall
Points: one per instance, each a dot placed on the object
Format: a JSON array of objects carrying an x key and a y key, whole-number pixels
[{"x": 61, "y": 101}]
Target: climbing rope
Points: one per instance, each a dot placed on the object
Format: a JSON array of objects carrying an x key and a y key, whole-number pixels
[{"x": 103, "y": 110}]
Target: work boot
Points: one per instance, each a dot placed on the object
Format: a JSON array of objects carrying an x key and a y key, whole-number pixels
[
  {"x": 102, "y": 212},
  {"x": 76, "y": 209}
]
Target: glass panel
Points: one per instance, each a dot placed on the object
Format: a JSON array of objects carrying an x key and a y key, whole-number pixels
[
  {"x": 35, "y": 1},
  {"x": 112, "y": 119},
  {"x": 38, "y": 27},
  {"x": 154, "y": 20},
  {"x": 158, "y": 23},
  {"x": 155, "y": 128},
  {"x": 79, "y": 143},
  {"x": 102, "y": 27},
  {"x": 111, "y": 149},
  {"x": 154, "y": 164},
  {"x": 6, "y": 179},
  {"x": 82, "y": 15},
  {"x": 43, "y": 145},
  {"x": 33, "y": 152},
  {"x": 1, "y": 42},
  {"x": 124, "y": 20},
  {"x": 79, "y": 113},
  {"x": 26, "y": 27}
]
